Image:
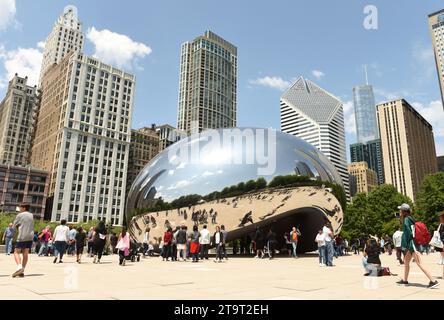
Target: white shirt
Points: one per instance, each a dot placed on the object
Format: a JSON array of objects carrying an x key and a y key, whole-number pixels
[
  {"x": 397, "y": 238},
  {"x": 205, "y": 236},
  {"x": 326, "y": 232},
  {"x": 146, "y": 237},
  {"x": 61, "y": 233},
  {"x": 217, "y": 238},
  {"x": 320, "y": 239}
]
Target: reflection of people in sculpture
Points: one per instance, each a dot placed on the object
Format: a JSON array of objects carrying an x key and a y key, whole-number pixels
[
  {"x": 213, "y": 218},
  {"x": 137, "y": 226},
  {"x": 167, "y": 224},
  {"x": 247, "y": 218},
  {"x": 185, "y": 215},
  {"x": 153, "y": 222}
]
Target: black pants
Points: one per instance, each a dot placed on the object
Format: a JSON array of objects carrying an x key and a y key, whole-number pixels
[
  {"x": 98, "y": 248},
  {"x": 224, "y": 251},
  {"x": 203, "y": 251},
  {"x": 61, "y": 248},
  {"x": 90, "y": 247},
  {"x": 271, "y": 248},
  {"x": 219, "y": 251},
  {"x": 167, "y": 251},
  {"x": 121, "y": 256}
]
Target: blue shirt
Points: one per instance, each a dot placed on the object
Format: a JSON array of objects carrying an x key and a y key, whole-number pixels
[
  {"x": 9, "y": 232},
  {"x": 72, "y": 234}
]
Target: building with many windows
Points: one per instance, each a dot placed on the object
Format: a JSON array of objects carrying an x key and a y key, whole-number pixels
[
  {"x": 314, "y": 115},
  {"x": 370, "y": 152},
  {"x": 144, "y": 147},
  {"x": 365, "y": 114},
  {"x": 169, "y": 135},
  {"x": 366, "y": 179},
  {"x": 20, "y": 184},
  {"x": 18, "y": 111},
  {"x": 83, "y": 137},
  {"x": 208, "y": 84},
  {"x": 440, "y": 163},
  {"x": 66, "y": 36},
  {"x": 408, "y": 146},
  {"x": 436, "y": 26}
]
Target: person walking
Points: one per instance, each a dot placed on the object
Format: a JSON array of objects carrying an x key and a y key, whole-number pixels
[
  {"x": 271, "y": 241},
  {"x": 80, "y": 243},
  {"x": 259, "y": 241},
  {"x": 217, "y": 238},
  {"x": 409, "y": 247},
  {"x": 441, "y": 237},
  {"x": 99, "y": 241},
  {"x": 113, "y": 242},
  {"x": 320, "y": 240},
  {"x": 167, "y": 243},
  {"x": 288, "y": 244},
  {"x": 61, "y": 240},
  {"x": 205, "y": 240},
  {"x": 224, "y": 242},
  {"x": 7, "y": 238},
  {"x": 194, "y": 244},
  {"x": 294, "y": 234},
  {"x": 181, "y": 242},
  {"x": 72, "y": 240},
  {"x": 24, "y": 221},
  {"x": 146, "y": 241},
  {"x": 90, "y": 239},
  {"x": 328, "y": 251},
  {"x": 44, "y": 238},
  {"x": 397, "y": 239},
  {"x": 123, "y": 245}
]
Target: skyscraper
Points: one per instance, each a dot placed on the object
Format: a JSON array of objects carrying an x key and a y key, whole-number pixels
[
  {"x": 370, "y": 152},
  {"x": 144, "y": 147},
  {"x": 17, "y": 122},
  {"x": 314, "y": 115},
  {"x": 168, "y": 135},
  {"x": 208, "y": 84},
  {"x": 366, "y": 179},
  {"x": 365, "y": 113},
  {"x": 408, "y": 146},
  {"x": 66, "y": 36},
  {"x": 436, "y": 26},
  {"x": 83, "y": 137}
]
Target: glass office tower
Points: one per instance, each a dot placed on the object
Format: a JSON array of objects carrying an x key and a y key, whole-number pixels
[{"x": 365, "y": 113}]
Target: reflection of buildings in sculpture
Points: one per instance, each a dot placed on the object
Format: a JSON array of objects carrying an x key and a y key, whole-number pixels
[
  {"x": 314, "y": 115},
  {"x": 168, "y": 135},
  {"x": 162, "y": 182},
  {"x": 302, "y": 169}
]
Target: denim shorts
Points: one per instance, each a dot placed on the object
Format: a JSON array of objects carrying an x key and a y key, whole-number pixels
[{"x": 23, "y": 245}]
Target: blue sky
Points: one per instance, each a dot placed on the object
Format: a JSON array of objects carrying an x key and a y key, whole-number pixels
[{"x": 279, "y": 40}]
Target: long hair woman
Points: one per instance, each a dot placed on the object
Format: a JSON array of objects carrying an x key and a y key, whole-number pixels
[
  {"x": 409, "y": 247},
  {"x": 99, "y": 241},
  {"x": 441, "y": 234},
  {"x": 123, "y": 246}
]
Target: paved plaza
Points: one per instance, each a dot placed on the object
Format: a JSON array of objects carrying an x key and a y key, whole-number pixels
[{"x": 239, "y": 278}]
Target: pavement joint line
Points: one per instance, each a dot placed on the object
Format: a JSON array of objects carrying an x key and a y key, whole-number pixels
[
  {"x": 300, "y": 290},
  {"x": 174, "y": 284}
]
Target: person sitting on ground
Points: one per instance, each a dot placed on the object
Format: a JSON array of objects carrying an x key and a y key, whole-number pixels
[{"x": 371, "y": 261}]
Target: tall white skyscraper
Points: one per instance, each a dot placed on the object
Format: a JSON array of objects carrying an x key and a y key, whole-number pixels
[
  {"x": 436, "y": 26},
  {"x": 314, "y": 115},
  {"x": 208, "y": 84},
  {"x": 66, "y": 36}
]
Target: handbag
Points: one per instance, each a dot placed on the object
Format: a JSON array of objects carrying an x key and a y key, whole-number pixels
[{"x": 436, "y": 239}]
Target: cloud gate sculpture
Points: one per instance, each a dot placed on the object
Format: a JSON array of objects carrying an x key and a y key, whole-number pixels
[{"x": 241, "y": 178}]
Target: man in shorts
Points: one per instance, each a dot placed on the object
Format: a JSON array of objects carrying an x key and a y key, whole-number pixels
[{"x": 25, "y": 224}]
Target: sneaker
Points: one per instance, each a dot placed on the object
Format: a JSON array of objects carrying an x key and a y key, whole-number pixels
[
  {"x": 95, "y": 260},
  {"x": 60, "y": 261},
  {"x": 18, "y": 273},
  {"x": 402, "y": 283},
  {"x": 433, "y": 284}
]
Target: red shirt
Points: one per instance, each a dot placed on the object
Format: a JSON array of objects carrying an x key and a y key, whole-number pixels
[{"x": 167, "y": 237}]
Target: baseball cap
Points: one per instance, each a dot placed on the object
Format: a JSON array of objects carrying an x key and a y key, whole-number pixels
[{"x": 404, "y": 207}]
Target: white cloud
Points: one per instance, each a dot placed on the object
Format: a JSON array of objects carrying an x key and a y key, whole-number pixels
[
  {"x": 349, "y": 117},
  {"x": 180, "y": 184},
  {"x": 7, "y": 13},
  {"x": 26, "y": 62},
  {"x": 117, "y": 49},
  {"x": 271, "y": 82},
  {"x": 434, "y": 114},
  {"x": 318, "y": 74}
]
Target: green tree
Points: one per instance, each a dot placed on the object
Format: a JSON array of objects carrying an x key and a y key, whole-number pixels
[{"x": 430, "y": 200}]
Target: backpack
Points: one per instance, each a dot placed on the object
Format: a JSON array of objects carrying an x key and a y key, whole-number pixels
[
  {"x": 422, "y": 235},
  {"x": 385, "y": 271}
]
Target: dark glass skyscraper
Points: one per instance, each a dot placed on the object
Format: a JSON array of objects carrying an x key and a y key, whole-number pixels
[{"x": 370, "y": 152}]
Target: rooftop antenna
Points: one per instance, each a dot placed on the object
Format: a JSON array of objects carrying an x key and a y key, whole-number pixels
[{"x": 366, "y": 74}]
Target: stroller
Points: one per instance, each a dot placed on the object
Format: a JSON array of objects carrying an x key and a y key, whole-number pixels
[{"x": 134, "y": 252}]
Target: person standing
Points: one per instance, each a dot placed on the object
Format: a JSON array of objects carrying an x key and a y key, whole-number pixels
[
  {"x": 294, "y": 234},
  {"x": 409, "y": 247},
  {"x": 224, "y": 242},
  {"x": 288, "y": 244},
  {"x": 205, "y": 240},
  {"x": 80, "y": 243},
  {"x": 61, "y": 240},
  {"x": 100, "y": 233},
  {"x": 218, "y": 244},
  {"x": 272, "y": 241},
  {"x": 146, "y": 241},
  {"x": 7, "y": 238},
  {"x": 328, "y": 251},
  {"x": 72, "y": 240},
  {"x": 320, "y": 240},
  {"x": 441, "y": 235},
  {"x": 24, "y": 221},
  {"x": 259, "y": 241},
  {"x": 194, "y": 244},
  {"x": 44, "y": 238},
  {"x": 181, "y": 242},
  {"x": 397, "y": 238},
  {"x": 123, "y": 245},
  {"x": 90, "y": 237},
  {"x": 113, "y": 242},
  {"x": 167, "y": 243}
]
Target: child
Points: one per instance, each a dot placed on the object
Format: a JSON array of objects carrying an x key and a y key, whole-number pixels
[{"x": 80, "y": 243}]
